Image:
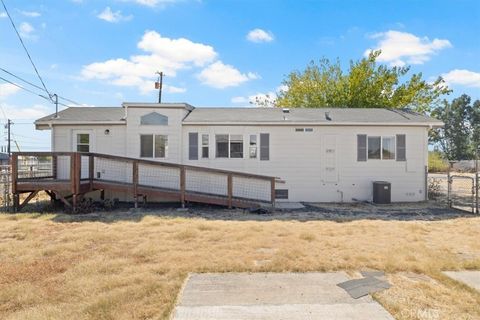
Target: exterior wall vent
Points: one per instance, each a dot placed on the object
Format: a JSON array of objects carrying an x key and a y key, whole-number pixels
[{"x": 327, "y": 116}]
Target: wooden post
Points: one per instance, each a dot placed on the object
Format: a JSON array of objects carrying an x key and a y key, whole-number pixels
[
  {"x": 135, "y": 182},
  {"x": 91, "y": 170},
  {"x": 230, "y": 190},
  {"x": 272, "y": 192},
  {"x": 182, "y": 186},
  {"x": 54, "y": 166}
]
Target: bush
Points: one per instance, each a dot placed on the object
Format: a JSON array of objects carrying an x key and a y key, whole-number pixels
[{"x": 436, "y": 162}]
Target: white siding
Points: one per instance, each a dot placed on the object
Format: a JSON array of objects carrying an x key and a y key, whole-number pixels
[{"x": 300, "y": 158}]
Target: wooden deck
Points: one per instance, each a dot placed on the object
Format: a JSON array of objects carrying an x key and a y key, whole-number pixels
[{"x": 70, "y": 176}]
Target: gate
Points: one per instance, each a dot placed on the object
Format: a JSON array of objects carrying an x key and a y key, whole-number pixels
[{"x": 462, "y": 192}]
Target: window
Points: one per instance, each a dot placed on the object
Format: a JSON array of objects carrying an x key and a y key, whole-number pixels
[
  {"x": 299, "y": 129},
  {"x": 308, "y": 129},
  {"x": 153, "y": 146},
  {"x": 205, "y": 143},
  {"x": 146, "y": 146},
  {"x": 161, "y": 145},
  {"x": 281, "y": 193},
  {"x": 388, "y": 148},
  {"x": 221, "y": 142},
  {"x": 374, "y": 145},
  {"x": 253, "y": 146},
  {"x": 83, "y": 142},
  {"x": 154, "y": 118},
  {"x": 264, "y": 146},
  {"x": 236, "y": 146}
]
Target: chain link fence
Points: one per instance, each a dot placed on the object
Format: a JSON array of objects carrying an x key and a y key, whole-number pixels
[{"x": 455, "y": 187}]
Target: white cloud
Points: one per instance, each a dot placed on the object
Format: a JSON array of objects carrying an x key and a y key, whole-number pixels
[
  {"x": 152, "y": 3},
  {"x": 7, "y": 89},
  {"x": 3, "y": 15},
  {"x": 26, "y": 29},
  {"x": 399, "y": 48},
  {"x": 33, "y": 112},
  {"x": 463, "y": 77},
  {"x": 173, "y": 89},
  {"x": 220, "y": 75},
  {"x": 162, "y": 53},
  {"x": 259, "y": 35},
  {"x": 110, "y": 16},
  {"x": 31, "y": 14},
  {"x": 239, "y": 100}
]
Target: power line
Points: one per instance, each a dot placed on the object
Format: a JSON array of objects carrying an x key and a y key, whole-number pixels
[
  {"x": 25, "y": 48},
  {"x": 31, "y": 91},
  {"x": 38, "y": 87}
]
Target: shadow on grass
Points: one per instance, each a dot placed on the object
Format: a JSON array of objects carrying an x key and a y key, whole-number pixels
[{"x": 336, "y": 212}]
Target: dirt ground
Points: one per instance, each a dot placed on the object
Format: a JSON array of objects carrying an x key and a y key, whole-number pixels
[{"x": 131, "y": 264}]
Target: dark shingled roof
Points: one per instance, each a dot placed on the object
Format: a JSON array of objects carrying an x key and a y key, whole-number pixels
[
  {"x": 313, "y": 115},
  {"x": 91, "y": 114}
]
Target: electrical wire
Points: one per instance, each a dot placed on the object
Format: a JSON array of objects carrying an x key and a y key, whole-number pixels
[
  {"x": 26, "y": 51},
  {"x": 38, "y": 87}
]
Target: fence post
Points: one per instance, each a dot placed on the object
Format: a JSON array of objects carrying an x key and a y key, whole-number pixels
[
  {"x": 135, "y": 183},
  {"x": 477, "y": 190},
  {"x": 182, "y": 186},
  {"x": 426, "y": 183},
  {"x": 449, "y": 188},
  {"x": 272, "y": 192},
  {"x": 230, "y": 190}
]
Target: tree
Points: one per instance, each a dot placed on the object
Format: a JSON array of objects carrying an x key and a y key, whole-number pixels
[
  {"x": 460, "y": 136},
  {"x": 365, "y": 85}
]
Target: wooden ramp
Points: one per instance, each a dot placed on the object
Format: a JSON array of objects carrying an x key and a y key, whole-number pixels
[{"x": 69, "y": 176}]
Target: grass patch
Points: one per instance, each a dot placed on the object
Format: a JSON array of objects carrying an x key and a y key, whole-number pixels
[{"x": 113, "y": 268}]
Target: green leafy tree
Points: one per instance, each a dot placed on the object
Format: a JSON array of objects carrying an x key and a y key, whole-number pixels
[
  {"x": 367, "y": 84},
  {"x": 460, "y": 136}
]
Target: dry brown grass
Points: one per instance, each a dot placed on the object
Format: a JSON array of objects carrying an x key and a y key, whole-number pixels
[{"x": 133, "y": 269}]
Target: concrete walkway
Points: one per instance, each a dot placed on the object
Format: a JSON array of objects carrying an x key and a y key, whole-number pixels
[
  {"x": 470, "y": 278},
  {"x": 292, "y": 296}
]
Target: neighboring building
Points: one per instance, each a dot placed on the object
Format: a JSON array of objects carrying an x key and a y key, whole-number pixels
[{"x": 323, "y": 155}]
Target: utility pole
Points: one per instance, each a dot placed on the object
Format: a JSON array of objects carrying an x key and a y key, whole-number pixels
[
  {"x": 56, "y": 104},
  {"x": 158, "y": 85},
  {"x": 9, "y": 123}
]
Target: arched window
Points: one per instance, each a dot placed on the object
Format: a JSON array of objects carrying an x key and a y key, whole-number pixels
[{"x": 154, "y": 118}]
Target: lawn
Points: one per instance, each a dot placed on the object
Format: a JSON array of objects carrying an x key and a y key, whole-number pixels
[{"x": 132, "y": 266}]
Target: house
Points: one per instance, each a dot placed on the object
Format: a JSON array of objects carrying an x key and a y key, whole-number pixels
[{"x": 322, "y": 155}]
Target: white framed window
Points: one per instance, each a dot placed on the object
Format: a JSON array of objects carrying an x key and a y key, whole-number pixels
[
  {"x": 205, "y": 146},
  {"x": 236, "y": 146},
  {"x": 252, "y": 149},
  {"x": 381, "y": 148},
  {"x": 388, "y": 148},
  {"x": 228, "y": 146},
  {"x": 153, "y": 146},
  {"x": 83, "y": 142},
  {"x": 221, "y": 146}
]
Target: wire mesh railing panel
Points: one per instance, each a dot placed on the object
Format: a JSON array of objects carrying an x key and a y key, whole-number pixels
[
  {"x": 63, "y": 167},
  {"x": 251, "y": 188},
  {"x": 462, "y": 192},
  {"x": 206, "y": 182},
  {"x": 113, "y": 170},
  {"x": 158, "y": 176},
  {"x": 34, "y": 167},
  {"x": 85, "y": 164}
]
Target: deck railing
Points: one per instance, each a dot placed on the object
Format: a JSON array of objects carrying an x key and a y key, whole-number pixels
[{"x": 85, "y": 172}]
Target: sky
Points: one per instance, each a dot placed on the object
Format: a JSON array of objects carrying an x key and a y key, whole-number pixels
[{"x": 216, "y": 53}]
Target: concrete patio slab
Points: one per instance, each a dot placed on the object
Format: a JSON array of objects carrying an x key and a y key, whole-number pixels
[
  {"x": 273, "y": 296},
  {"x": 470, "y": 278},
  {"x": 288, "y": 205}
]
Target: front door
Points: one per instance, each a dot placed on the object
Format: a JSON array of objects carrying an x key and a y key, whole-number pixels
[
  {"x": 83, "y": 142},
  {"x": 329, "y": 157}
]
